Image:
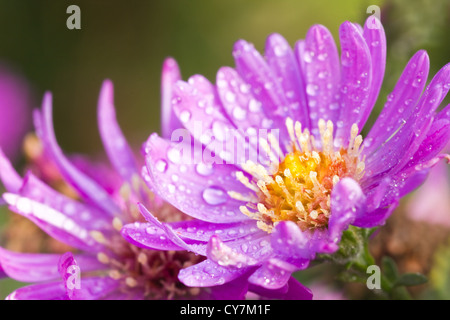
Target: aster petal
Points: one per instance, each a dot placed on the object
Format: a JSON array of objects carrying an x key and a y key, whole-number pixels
[
  {"x": 255, "y": 71},
  {"x": 96, "y": 288},
  {"x": 198, "y": 107},
  {"x": 392, "y": 117},
  {"x": 239, "y": 103},
  {"x": 421, "y": 120},
  {"x": 233, "y": 290},
  {"x": 146, "y": 236},
  {"x": 32, "y": 267},
  {"x": 82, "y": 183},
  {"x": 91, "y": 288},
  {"x": 208, "y": 273},
  {"x": 8, "y": 175},
  {"x": 376, "y": 217},
  {"x": 355, "y": 82},
  {"x": 293, "y": 290},
  {"x": 348, "y": 202},
  {"x": 202, "y": 187},
  {"x": 41, "y": 291},
  {"x": 375, "y": 38},
  {"x": 281, "y": 59},
  {"x": 170, "y": 75},
  {"x": 273, "y": 274},
  {"x": 225, "y": 256},
  {"x": 29, "y": 267},
  {"x": 116, "y": 146},
  {"x": 434, "y": 142},
  {"x": 85, "y": 216},
  {"x": 169, "y": 232},
  {"x": 405, "y": 94},
  {"x": 322, "y": 75},
  {"x": 256, "y": 246},
  {"x": 289, "y": 241},
  {"x": 53, "y": 222},
  {"x": 203, "y": 230}
]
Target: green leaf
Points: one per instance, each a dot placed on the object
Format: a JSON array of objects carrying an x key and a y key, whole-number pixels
[
  {"x": 390, "y": 269},
  {"x": 411, "y": 279}
]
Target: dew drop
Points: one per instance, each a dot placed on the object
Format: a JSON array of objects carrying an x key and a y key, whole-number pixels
[
  {"x": 334, "y": 106},
  {"x": 254, "y": 105},
  {"x": 239, "y": 113},
  {"x": 174, "y": 155},
  {"x": 161, "y": 165},
  {"x": 219, "y": 130},
  {"x": 204, "y": 169},
  {"x": 185, "y": 116},
  {"x": 230, "y": 97},
  {"x": 311, "y": 89},
  {"x": 214, "y": 196}
]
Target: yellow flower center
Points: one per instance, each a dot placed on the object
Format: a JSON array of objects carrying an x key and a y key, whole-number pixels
[{"x": 299, "y": 187}]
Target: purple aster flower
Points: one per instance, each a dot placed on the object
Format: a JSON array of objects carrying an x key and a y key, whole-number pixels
[
  {"x": 103, "y": 264},
  {"x": 15, "y": 99},
  {"x": 313, "y": 175}
]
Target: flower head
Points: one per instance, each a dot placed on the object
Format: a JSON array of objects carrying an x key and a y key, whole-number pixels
[
  {"x": 313, "y": 174},
  {"x": 103, "y": 265}
]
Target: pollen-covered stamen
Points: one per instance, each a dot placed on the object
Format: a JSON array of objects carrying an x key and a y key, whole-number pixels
[
  {"x": 299, "y": 189},
  {"x": 152, "y": 271}
]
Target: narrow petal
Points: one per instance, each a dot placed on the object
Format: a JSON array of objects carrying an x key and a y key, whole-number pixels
[
  {"x": 400, "y": 103},
  {"x": 254, "y": 69},
  {"x": 274, "y": 274},
  {"x": 195, "y": 188},
  {"x": 281, "y": 59},
  {"x": 8, "y": 175},
  {"x": 356, "y": 81},
  {"x": 376, "y": 41},
  {"x": 288, "y": 240},
  {"x": 376, "y": 217},
  {"x": 203, "y": 230},
  {"x": 244, "y": 110},
  {"x": 225, "y": 256},
  {"x": 116, "y": 146},
  {"x": 89, "y": 217},
  {"x": 31, "y": 267},
  {"x": 146, "y": 236},
  {"x": 293, "y": 290},
  {"x": 435, "y": 141},
  {"x": 198, "y": 107},
  {"x": 348, "y": 202},
  {"x": 53, "y": 222},
  {"x": 322, "y": 76},
  {"x": 77, "y": 288},
  {"x": 208, "y": 273},
  {"x": 170, "y": 75},
  {"x": 169, "y": 232},
  {"x": 233, "y": 290},
  {"x": 82, "y": 183},
  {"x": 42, "y": 291}
]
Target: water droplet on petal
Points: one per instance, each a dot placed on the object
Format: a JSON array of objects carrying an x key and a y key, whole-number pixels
[
  {"x": 254, "y": 105},
  {"x": 311, "y": 89},
  {"x": 239, "y": 113},
  {"x": 185, "y": 116},
  {"x": 174, "y": 155},
  {"x": 214, "y": 196},
  {"x": 161, "y": 165},
  {"x": 204, "y": 169}
]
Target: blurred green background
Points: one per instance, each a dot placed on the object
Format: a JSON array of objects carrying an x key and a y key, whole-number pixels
[{"x": 127, "y": 41}]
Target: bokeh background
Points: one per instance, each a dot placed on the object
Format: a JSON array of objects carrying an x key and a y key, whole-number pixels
[{"x": 127, "y": 41}]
